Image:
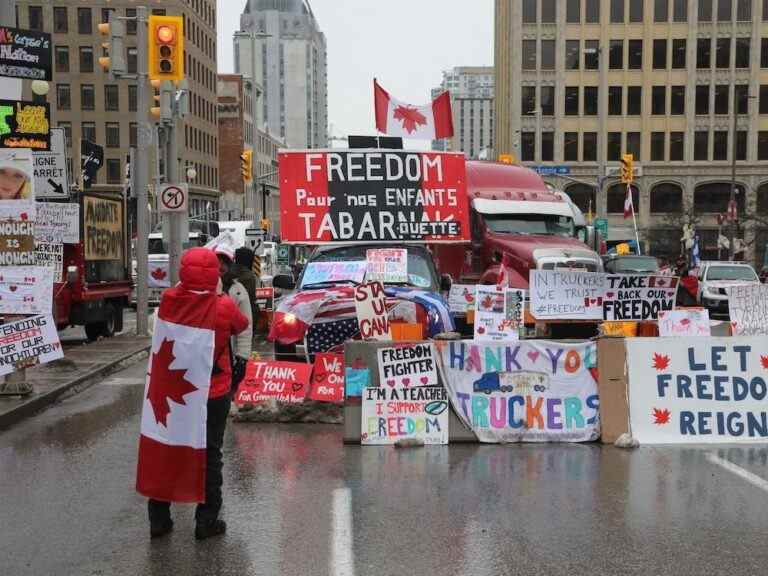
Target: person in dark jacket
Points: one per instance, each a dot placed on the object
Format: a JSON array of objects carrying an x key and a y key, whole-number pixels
[{"x": 242, "y": 271}]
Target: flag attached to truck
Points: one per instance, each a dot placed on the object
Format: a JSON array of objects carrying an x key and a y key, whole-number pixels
[{"x": 428, "y": 122}]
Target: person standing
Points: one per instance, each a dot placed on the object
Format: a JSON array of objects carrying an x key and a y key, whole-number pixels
[
  {"x": 242, "y": 344},
  {"x": 243, "y": 271}
]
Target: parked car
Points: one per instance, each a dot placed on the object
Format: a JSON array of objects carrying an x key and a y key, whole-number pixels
[
  {"x": 716, "y": 277},
  {"x": 630, "y": 264}
]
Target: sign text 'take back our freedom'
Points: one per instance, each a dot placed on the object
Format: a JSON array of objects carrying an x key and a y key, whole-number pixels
[{"x": 373, "y": 196}]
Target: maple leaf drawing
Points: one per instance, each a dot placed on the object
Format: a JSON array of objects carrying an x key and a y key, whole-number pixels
[
  {"x": 411, "y": 118},
  {"x": 764, "y": 361},
  {"x": 661, "y": 417},
  {"x": 166, "y": 383},
  {"x": 660, "y": 362},
  {"x": 159, "y": 274}
]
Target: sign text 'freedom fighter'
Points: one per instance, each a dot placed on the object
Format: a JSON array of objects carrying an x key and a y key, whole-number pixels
[{"x": 382, "y": 196}]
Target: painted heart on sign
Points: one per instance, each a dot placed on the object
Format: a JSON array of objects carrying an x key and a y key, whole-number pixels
[
  {"x": 480, "y": 330},
  {"x": 609, "y": 294},
  {"x": 391, "y": 383},
  {"x": 13, "y": 288},
  {"x": 24, "y": 216},
  {"x": 533, "y": 355},
  {"x": 685, "y": 321},
  {"x": 424, "y": 380},
  {"x": 297, "y": 386},
  {"x": 406, "y": 381},
  {"x": 670, "y": 294}
]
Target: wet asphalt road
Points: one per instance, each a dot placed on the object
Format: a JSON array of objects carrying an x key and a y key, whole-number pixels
[{"x": 300, "y": 503}]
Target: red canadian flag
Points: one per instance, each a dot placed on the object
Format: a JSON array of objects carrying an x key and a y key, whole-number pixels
[
  {"x": 172, "y": 447},
  {"x": 629, "y": 207},
  {"x": 428, "y": 122}
]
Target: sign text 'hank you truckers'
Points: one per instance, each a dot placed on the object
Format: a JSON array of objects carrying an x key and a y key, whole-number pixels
[
  {"x": 373, "y": 196},
  {"x": 25, "y": 54},
  {"x": 30, "y": 339},
  {"x": 694, "y": 390},
  {"x": 103, "y": 228}
]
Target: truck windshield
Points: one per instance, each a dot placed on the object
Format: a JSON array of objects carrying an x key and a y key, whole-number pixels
[
  {"x": 731, "y": 273},
  {"x": 530, "y": 224},
  {"x": 155, "y": 246}
]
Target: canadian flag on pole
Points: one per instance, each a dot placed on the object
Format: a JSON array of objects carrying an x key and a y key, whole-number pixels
[
  {"x": 629, "y": 207},
  {"x": 172, "y": 447},
  {"x": 428, "y": 122}
]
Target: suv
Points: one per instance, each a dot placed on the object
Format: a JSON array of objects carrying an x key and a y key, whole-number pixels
[
  {"x": 716, "y": 277},
  {"x": 630, "y": 264}
]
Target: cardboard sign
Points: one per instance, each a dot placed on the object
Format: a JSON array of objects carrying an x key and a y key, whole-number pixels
[
  {"x": 158, "y": 274},
  {"x": 57, "y": 222},
  {"x": 17, "y": 243},
  {"x": 498, "y": 313},
  {"x": 17, "y": 185},
  {"x": 25, "y": 125},
  {"x": 265, "y": 298},
  {"x": 387, "y": 265},
  {"x": 103, "y": 228},
  {"x": 25, "y": 54},
  {"x": 28, "y": 342},
  {"x": 51, "y": 176},
  {"x": 527, "y": 391},
  {"x": 697, "y": 390},
  {"x": 372, "y": 196},
  {"x": 637, "y": 297},
  {"x": 748, "y": 309},
  {"x": 392, "y": 414},
  {"x": 407, "y": 365},
  {"x": 26, "y": 290},
  {"x": 51, "y": 256},
  {"x": 321, "y": 272},
  {"x": 461, "y": 298},
  {"x": 371, "y": 311},
  {"x": 328, "y": 378},
  {"x": 684, "y": 322},
  {"x": 286, "y": 382}
]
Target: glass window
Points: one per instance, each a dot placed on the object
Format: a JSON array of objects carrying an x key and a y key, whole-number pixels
[
  {"x": 67, "y": 126},
  {"x": 63, "y": 97},
  {"x": 763, "y": 52},
  {"x": 763, "y": 99},
  {"x": 742, "y": 52},
  {"x": 713, "y": 198},
  {"x": 111, "y": 97},
  {"x": 547, "y": 54},
  {"x": 131, "y": 60},
  {"x": 583, "y": 196},
  {"x": 634, "y": 100},
  {"x": 659, "y": 100},
  {"x": 724, "y": 10},
  {"x": 60, "y": 23},
  {"x": 741, "y": 97},
  {"x": 529, "y": 54},
  {"x": 113, "y": 134},
  {"x": 703, "y": 53},
  {"x": 86, "y": 59},
  {"x": 84, "y": 21},
  {"x": 113, "y": 171},
  {"x": 636, "y": 10},
  {"x": 666, "y": 197},
  {"x": 528, "y": 101},
  {"x": 572, "y": 54},
  {"x": 133, "y": 99},
  {"x": 528, "y": 146},
  {"x": 633, "y": 146},
  {"x": 721, "y": 99},
  {"x": 590, "y": 100},
  {"x": 720, "y": 147},
  {"x": 529, "y": 11},
  {"x": 87, "y": 97},
  {"x": 592, "y": 11},
  {"x": 617, "y": 193},
  {"x": 589, "y": 146},
  {"x": 547, "y": 146},
  {"x": 635, "y": 54},
  {"x": 678, "y": 53},
  {"x": 680, "y": 11},
  {"x": 701, "y": 145},
  {"x": 35, "y": 16},
  {"x": 657, "y": 146},
  {"x": 613, "y": 146},
  {"x": 677, "y": 100},
  {"x": 705, "y": 10},
  {"x": 676, "y": 146},
  {"x": 62, "y": 59},
  {"x": 571, "y": 146},
  {"x": 702, "y": 99},
  {"x": 547, "y": 100},
  {"x": 591, "y": 54},
  {"x": 616, "y": 55},
  {"x": 573, "y": 12},
  {"x": 660, "y": 10},
  {"x": 741, "y": 145},
  {"x": 130, "y": 24},
  {"x": 762, "y": 145},
  {"x": 744, "y": 10},
  {"x": 723, "y": 53},
  {"x": 88, "y": 131},
  {"x": 548, "y": 11},
  {"x": 660, "y": 54},
  {"x": 133, "y": 134},
  {"x": 571, "y": 100},
  {"x": 617, "y": 11},
  {"x": 614, "y": 100},
  {"x": 765, "y": 10}
]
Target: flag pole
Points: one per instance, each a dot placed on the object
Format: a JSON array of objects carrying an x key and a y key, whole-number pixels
[{"x": 634, "y": 217}]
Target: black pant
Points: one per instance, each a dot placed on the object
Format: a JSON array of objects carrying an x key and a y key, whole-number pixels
[{"x": 208, "y": 511}]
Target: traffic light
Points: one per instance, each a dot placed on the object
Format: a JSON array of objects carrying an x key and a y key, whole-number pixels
[
  {"x": 627, "y": 169},
  {"x": 163, "y": 109},
  {"x": 166, "y": 48},
  {"x": 246, "y": 165},
  {"x": 114, "y": 47},
  {"x": 266, "y": 223}
]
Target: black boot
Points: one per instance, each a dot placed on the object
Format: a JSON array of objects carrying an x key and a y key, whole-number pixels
[
  {"x": 205, "y": 530},
  {"x": 160, "y": 528}
]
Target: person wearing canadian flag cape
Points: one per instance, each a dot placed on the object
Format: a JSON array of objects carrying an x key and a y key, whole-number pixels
[{"x": 186, "y": 398}]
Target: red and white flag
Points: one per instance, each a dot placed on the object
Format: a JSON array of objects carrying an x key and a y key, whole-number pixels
[
  {"x": 172, "y": 447},
  {"x": 428, "y": 122},
  {"x": 629, "y": 207}
]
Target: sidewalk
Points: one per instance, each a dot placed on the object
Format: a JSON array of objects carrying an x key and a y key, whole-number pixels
[{"x": 82, "y": 366}]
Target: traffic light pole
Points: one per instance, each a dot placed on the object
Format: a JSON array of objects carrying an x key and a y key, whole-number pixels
[
  {"x": 141, "y": 179},
  {"x": 175, "y": 244}
]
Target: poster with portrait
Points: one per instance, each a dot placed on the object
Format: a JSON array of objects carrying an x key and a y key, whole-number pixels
[{"x": 17, "y": 185}]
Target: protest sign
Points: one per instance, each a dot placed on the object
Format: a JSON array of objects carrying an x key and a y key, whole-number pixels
[
  {"x": 286, "y": 382},
  {"x": 158, "y": 274},
  {"x": 371, "y": 311},
  {"x": 373, "y": 196},
  {"x": 57, "y": 222},
  {"x": 387, "y": 265},
  {"x": 51, "y": 256},
  {"x": 25, "y": 54},
  {"x": 566, "y": 295},
  {"x": 698, "y": 390},
  {"x": 51, "y": 174},
  {"x": 265, "y": 298},
  {"x": 638, "y": 297},
  {"x": 27, "y": 342},
  {"x": 684, "y": 322},
  {"x": 321, "y": 272},
  {"x": 498, "y": 312},
  {"x": 461, "y": 298},
  {"x": 748, "y": 309},
  {"x": 527, "y": 391},
  {"x": 103, "y": 228},
  {"x": 407, "y": 365},
  {"x": 17, "y": 242},
  {"x": 399, "y": 413},
  {"x": 25, "y": 125},
  {"x": 26, "y": 290},
  {"x": 17, "y": 185},
  {"x": 328, "y": 378}
]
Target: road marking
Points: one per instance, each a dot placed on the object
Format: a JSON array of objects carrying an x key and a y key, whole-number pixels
[
  {"x": 342, "y": 561},
  {"x": 753, "y": 479}
]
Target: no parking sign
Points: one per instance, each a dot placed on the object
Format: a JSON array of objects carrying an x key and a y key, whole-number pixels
[{"x": 173, "y": 198}]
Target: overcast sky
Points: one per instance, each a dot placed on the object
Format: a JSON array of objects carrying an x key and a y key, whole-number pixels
[{"x": 406, "y": 44}]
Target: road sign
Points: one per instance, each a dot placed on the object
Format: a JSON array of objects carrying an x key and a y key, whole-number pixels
[
  {"x": 284, "y": 254},
  {"x": 254, "y": 237},
  {"x": 552, "y": 170},
  {"x": 173, "y": 198},
  {"x": 51, "y": 179},
  {"x": 601, "y": 225}
]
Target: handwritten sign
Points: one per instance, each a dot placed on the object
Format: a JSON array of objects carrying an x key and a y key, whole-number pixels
[
  {"x": 748, "y": 309},
  {"x": 26, "y": 290},
  {"x": 328, "y": 378},
  {"x": 461, "y": 298},
  {"x": 387, "y": 265},
  {"x": 51, "y": 256},
  {"x": 407, "y": 365},
  {"x": 392, "y": 414},
  {"x": 25, "y": 125},
  {"x": 265, "y": 298},
  {"x": 17, "y": 185},
  {"x": 328, "y": 272},
  {"x": 371, "y": 310},
  {"x": 636, "y": 297},
  {"x": 283, "y": 381},
  {"x": 57, "y": 222},
  {"x": 567, "y": 295},
  {"x": 103, "y": 228},
  {"x": 498, "y": 313},
  {"x": 28, "y": 342},
  {"x": 25, "y": 54},
  {"x": 684, "y": 322},
  {"x": 17, "y": 243}
]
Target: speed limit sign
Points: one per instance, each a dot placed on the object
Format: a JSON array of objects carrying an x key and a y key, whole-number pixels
[{"x": 173, "y": 198}]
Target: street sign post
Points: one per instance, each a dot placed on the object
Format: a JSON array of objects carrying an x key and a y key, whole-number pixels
[
  {"x": 51, "y": 178},
  {"x": 552, "y": 170},
  {"x": 173, "y": 198}
]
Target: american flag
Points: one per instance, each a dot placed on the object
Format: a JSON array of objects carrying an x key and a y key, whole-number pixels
[{"x": 323, "y": 336}]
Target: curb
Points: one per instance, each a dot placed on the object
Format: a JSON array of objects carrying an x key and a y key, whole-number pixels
[{"x": 39, "y": 403}]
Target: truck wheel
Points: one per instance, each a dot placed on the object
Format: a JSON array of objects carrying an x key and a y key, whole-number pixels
[
  {"x": 119, "y": 316},
  {"x": 93, "y": 330},
  {"x": 109, "y": 326}
]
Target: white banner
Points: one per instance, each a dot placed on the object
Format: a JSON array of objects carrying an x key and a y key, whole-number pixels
[
  {"x": 57, "y": 222},
  {"x": 529, "y": 391},
  {"x": 390, "y": 414},
  {"x": 498, "y": 313},
  {"x": 698, "y": 390},
  {"x": 26, "y": 290},
  {"x": 748, "y": 309},
  {"x": 25, "y": 340}
]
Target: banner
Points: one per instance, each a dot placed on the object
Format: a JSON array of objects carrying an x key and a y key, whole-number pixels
[
  {"x": 371, "y": 311},
  {"x": 26, "y": 290},
  {"x": 461, "y": 298},
  {"x": 389, "y": 265},
  {"x": 529, "y": 391},
  {"x": 265, "y": 298},
  {"x": 17, "y": 185},
  {"x": 17, "y": 242},
  {"x": 25, "y": 54},
  {"x": 284, "y": 381},
  {"x": 103, "y": 228},
  {"x": 684, "y": 322},
  {"x": 328, "y": 378},
  {"x": 498, "y": 313},
  {"x": 57, "y": 222},
  {"x": 748, "y": 309},
  {"x": 407, "y": 365},
  {"x": 25, "y": 125},
  {"x": 28, "y": 342},
  {"x": 328, "y": 272},
  {"x": 635, "y": 297},
  {"x": 700, "y": 390},
  {"x": 392, "y": 414},
  {"x": 373, "y": 196},
  {"x": 51, "y": 256}
]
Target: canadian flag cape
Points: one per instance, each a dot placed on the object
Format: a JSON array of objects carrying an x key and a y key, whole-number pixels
[
  {"x": 428, "y": 122},
  {"x": 172, "y": 447}
]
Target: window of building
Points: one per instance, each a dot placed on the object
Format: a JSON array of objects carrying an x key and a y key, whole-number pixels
[
  {"x": 677, "y": 100},
  {"x": 680, "y": 11},
  {"x": 548, "y": 11},
  {"x": 616, "y": 195},
  {"x": 88, "y": 131},
  {"x": 742, "y": 52},
  {"x": 613, "y": 146},
  {"x": 701, "y": 145},
  {"x": 528, "y": 146},
  {"x": 529, "y": 54},
  {"x": 529, "y": 11},
  {"x": 590, "y": 100},
  {"x": 573, "y": 12},
  {"x": 113, "y": 134},
  {"x": 63, "y": 97},
  {"x": 713, "y": 198},
  {"x": 571, "y": 100},
  {"x": 583, "y": 196},
  {"x": 528, "y": 101},
  {"x": 614, "y": 100},
  {"x": 636, "y": 10},
  {"x": 721, "y": 98},
  {"x": 591, "y": 54},
  {"x": 723, "y": 53},
  {"x": 35, "y": 18},
  {"x": 659, "y": 100},
  {"x": 131, "y": 60},
  {"x": 741, "y": 145},
  {"x": 133, "y": 98},
  {"x": 111, "y": 97},
  {"x": 634, "y": 100},
  {"x": 572, "y": 54},
  {"x": 60, "y": 23},
  {"x": 87, "y": 97},
  {"x": 617, "y": 11},
  {"x": 67, "y": 127},
  {"x": 724, "y": 10},
  {"x": 616, "y": 55},
  {"x": 720, "y": 145},
  {"x": 589, "y": 146},
  {"x": 547, "y": 54},
  {"x": 666, "y": 198},
  {"x": 84, "y": 21},
  {"x": 113, "y": 171},
  {"x": 657, "y": 146},
  {"x": 659, "y": 54},
  {"x": 571, "y": 147},
  {"x": 592, "y": 11},
  {"x": 130, "y": 23},
  {"x": 62, "y": 59},
  {"x": 702, "y": 99},
  {"x": 741, "y": 98},
  {"x": 547, "y": 146},
  {"x": 678, "y": 53},
  {"x": 660, "y": 10},
  {"x": 763, "y": 52},
  {"x": 744, "y": 10},
  {"x": 762, "y": 145},
  {"x": 704, "y": 53},
  {"x": 86, "y": 60},
  {"x": 705, "y": 10},
  {"x": 635, "y": 54},
  {"x": 763, "y": 104},
  {"x": 547, "y": 100},
  {"x": 133, "y": 135},
  {"x": 676, "y": 146},
  {"x": 633, "y": 145}
]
